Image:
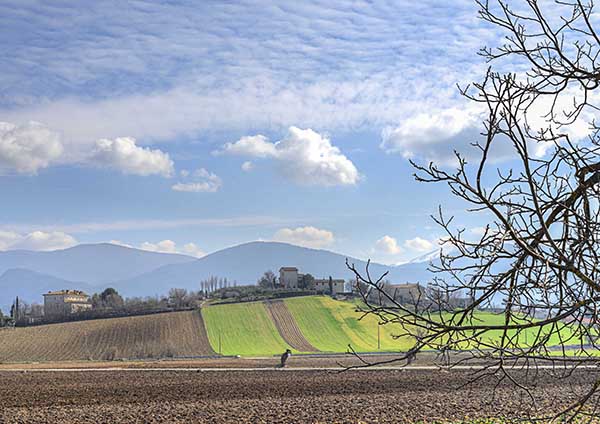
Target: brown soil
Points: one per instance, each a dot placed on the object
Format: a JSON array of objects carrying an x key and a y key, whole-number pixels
[
  {"x": 159, "y": 335},
  {"x": 287, "y": 326},
  {"x": 380, "y": 396}
]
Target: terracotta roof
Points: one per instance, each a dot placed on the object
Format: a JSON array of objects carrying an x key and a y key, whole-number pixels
[{"x": 63, "y": 292}]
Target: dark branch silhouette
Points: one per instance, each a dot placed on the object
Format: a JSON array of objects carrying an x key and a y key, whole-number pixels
[{"x": 538, "y": 257}]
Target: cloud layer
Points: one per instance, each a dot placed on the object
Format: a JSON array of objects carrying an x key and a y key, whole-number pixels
[
  {"x": 149, "y": 68},
  {"x": 303, "y": 156}
]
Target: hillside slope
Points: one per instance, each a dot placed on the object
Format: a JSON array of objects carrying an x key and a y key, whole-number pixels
[
  {"x": 324, "y": 324},
  {"x": 149, "y": 336},
  {"x": 331, "y": 325},
  {"x": 247, "y": 262},
  {"x": 242, "y": 329},
  {"x": 30, "y": 286},
  {"x": 94, "y": 264}
]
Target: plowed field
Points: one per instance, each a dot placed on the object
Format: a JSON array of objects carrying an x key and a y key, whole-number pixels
[
  {"x": 272, "y": 397},
  {"x": 149, "y": 336},
  {"x": 287, "y": 327}
]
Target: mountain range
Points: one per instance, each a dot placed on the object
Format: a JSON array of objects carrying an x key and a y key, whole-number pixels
[{"x": 134, "y": 272}]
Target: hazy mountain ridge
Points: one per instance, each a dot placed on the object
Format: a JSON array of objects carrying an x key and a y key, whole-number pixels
[
  {"x": 96, "y": 264},
  {"x": 245, "y": 263},
  {"x": 30, "y": 286},
  {"x": 140, "y": 273}
]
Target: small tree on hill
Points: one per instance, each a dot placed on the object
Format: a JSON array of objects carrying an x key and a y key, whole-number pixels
[
  {"x": 268, "y": 280},
  {"x": 178, "y": 297},
  {"x": 109, "y": 298},
  {"x": 307, "y": 282}
]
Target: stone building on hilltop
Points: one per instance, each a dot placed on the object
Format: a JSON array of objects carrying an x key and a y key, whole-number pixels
[
  {"x": 330, "y": 286},
  {"x": 289, "y": 277},
  {"x": 62, "y": 303}
]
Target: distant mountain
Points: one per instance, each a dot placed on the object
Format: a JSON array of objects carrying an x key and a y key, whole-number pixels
[
  {"x": 426, "y": 257},
  {"x": 95, "y": 264},
  {"x": 134, "y": 272},
  {"x": 247, "y": 262},
  {"x": 30, "y": 286}
]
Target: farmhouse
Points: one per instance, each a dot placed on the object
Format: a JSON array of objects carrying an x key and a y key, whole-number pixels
[
  {"x": 63, "y": 303},
  {"x": 289, "y": 277},
  {"x": 330, "y": 286},
  {"x": 405, "y": 294}
]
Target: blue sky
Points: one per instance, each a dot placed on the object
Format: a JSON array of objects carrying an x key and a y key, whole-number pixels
[{"x": 193, "y": 126}]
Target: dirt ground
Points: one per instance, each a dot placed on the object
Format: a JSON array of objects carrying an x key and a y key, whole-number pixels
[
  {"x": 269, "y": 396},
  {"x": 297, "y": 361}
]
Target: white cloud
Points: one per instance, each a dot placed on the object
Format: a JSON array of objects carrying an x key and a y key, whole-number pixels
[
  {"x": 305, "y": 236},
  {"x": 193, "y": 250},
  {"x": 124, "y": 155},
  {"x": 419, "y": 244},
  {"x": 247, "y": 166},
  {"x": 169, "y": 246},
  {"x": 165, "y": 246},
  {"x": 257, "y": 146},
  {"x": 434, "y": 136},
  {"x": 203, "y": 182},
  {"x": 27, "y": 148},
  {"x": 388, "y": 245},
  {"x": 303, "y": 156},
  {"x": 8, "y": 238},
  {"x": 36, "y": 240}
]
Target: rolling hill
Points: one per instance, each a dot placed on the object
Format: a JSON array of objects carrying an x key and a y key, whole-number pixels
[
  {"x": 134, "y": 272},
  {"x": 148, "y": 336},
  {"x": 94, "y": 264},
  {"x": 31, "y": 285},
  {"x": 247, "y": 262}
]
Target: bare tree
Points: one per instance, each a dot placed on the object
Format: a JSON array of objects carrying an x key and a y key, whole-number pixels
[
  {"x": 178, "y": 297},
  {"x": 539, "y": 255},
  {"x": 268, "y": 280}
]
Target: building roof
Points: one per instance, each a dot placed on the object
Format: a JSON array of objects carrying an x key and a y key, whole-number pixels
[
  {"x": 64, "y": 292},
  {"x": 288, "y": 268},
  {"x": 406, "y": 286}
]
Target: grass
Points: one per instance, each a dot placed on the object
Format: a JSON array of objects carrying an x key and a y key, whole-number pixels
[
  {"x": 332, "y": 325},
  {"x": 242, "y": 329},
  {"x": 559, "y": 331}
]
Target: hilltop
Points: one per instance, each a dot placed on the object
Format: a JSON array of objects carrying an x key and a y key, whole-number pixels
[{"x": 135, "y": 272}]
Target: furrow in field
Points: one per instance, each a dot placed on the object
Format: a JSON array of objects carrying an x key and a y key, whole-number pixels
[
  {"x": 147, "y": 336},
  {"x": 287, "y": 327}
]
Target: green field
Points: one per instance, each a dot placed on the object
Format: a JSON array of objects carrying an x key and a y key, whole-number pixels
[
  {"x": 331, "y": 325},
  {"x": 559, "y": 332},
  {"x": 242, "y": 329}
]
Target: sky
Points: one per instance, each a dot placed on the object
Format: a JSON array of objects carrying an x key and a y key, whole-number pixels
[{"x": 185, "y": 126}]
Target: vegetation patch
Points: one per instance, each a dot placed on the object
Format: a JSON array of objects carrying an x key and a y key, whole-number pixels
[
  {"x": 242, "y": 329},
  {"x": 332, "y": 325}
]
